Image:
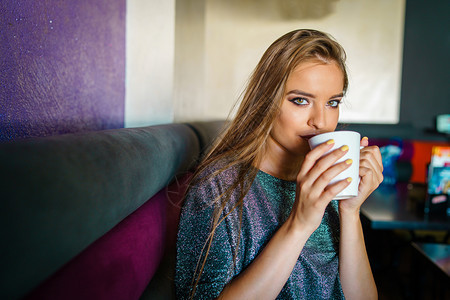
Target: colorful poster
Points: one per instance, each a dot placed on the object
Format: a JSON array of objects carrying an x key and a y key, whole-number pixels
[{"x": 439, "y": 171}]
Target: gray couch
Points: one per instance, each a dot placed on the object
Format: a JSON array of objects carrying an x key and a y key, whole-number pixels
[{"x": 86, "y": 216}]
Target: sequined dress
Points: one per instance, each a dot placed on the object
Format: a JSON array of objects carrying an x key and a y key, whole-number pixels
[{"x": 266, "y": 206}]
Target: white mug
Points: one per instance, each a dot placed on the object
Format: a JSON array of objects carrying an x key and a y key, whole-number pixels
[{"x": 352, "y": 140}]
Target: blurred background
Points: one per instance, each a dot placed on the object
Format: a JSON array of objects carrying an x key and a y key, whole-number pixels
[{"x": 89, "y": 65}]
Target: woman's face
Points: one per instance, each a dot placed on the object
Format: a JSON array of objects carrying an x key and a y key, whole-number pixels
[{"x": 310, "y": 106}]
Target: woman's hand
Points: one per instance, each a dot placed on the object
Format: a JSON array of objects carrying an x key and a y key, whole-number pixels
[
  {"x": 314, "y": 191},
  {"x": 370, "y": 172}
]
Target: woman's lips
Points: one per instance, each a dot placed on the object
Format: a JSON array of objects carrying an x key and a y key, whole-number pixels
[
  {"x": 307, "y": 137},
  {"x": 311, "y": 135}
]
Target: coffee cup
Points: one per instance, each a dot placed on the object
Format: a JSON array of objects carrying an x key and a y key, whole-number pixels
[{"x": 341, "y": 138}]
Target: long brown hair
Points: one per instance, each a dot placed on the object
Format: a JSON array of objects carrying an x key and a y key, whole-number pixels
[{"x": 242, "y": 144}]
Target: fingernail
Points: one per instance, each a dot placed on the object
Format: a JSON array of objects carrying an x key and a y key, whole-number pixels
[
  {"x": 344, "y": 148},
  {"x": 330, "y": 142},
  {"x": 365, "y": 138},
  {"x": 349, "y": 161},
  {"x": 349, "y": 179}
]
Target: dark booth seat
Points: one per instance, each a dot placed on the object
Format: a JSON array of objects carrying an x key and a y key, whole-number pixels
[{"x": 84, "y": 215}]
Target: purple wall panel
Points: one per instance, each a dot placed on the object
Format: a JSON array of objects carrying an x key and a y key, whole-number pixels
[{"x": 62, "y": 66}]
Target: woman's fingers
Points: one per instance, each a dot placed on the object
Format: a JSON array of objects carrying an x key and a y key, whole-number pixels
[
  {"x": 333, "y": 189},
  {"x": 371, "y": 173},
  {"x": 324, "y": 171},
  {"x": 370, "y": 170},
  {"x": 372, "y": 150},
  {"x": 369, "y": 181},
  {"x": 313, "y": 156},
  {"x": 371, "y": 158},
  {"x": 375, "y": 152},
  {"x": 316, "y": 165},
  {"x": 314, "y": 191},
  {"x": 325, "y": 178},
  {"x": 364, "y": 142}
]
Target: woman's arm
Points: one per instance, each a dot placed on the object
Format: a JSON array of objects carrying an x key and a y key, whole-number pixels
[
  {"x": 266, "y": 275},
  {"x": 354, "y": 268}
]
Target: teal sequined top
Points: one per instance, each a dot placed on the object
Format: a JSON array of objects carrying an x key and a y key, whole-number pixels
[{"x": 266, "y": 206}]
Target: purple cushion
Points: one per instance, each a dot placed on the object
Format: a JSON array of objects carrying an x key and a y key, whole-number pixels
[{"x": 120, "y": 264}]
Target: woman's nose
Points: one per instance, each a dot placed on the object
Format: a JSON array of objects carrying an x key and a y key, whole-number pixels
[{"x": 317, "y": 118}]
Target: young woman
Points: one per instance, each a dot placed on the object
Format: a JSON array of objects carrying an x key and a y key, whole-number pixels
[{"x": 259, "y": 221}]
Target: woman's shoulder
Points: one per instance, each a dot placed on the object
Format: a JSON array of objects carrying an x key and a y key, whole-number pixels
[
  {"x": 217, "y": 184},
  {"x": 218, "y": 174}
]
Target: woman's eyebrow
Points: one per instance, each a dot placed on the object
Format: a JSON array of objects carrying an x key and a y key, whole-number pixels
[
  {"x": 340, "y": 95},
  {"x": 302, "y": 93}
]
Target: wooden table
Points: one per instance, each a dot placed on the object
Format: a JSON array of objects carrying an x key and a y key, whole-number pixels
[
  {"x": 437, "y": 254},
  {"x": 400, "y": 207},
  {"x": 431, "y": 270}
]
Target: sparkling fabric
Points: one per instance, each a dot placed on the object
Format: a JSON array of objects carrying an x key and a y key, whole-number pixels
[{"x": 266, "y": 207}]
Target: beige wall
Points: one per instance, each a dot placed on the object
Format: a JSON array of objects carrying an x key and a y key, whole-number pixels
[
  {"x": 150, "y": 48},
  {"x": 237, "y": 33},
  {"x": 206, "y": 50},
  {"x": 189, "y": 73}
]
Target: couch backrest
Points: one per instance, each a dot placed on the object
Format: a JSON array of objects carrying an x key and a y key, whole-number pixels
[{"x": 62, "y": 193}]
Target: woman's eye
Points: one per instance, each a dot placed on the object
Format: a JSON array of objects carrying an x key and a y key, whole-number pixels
[
  {"x": 299, "y": 101},
  {"x": 334, "y": 103}
]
